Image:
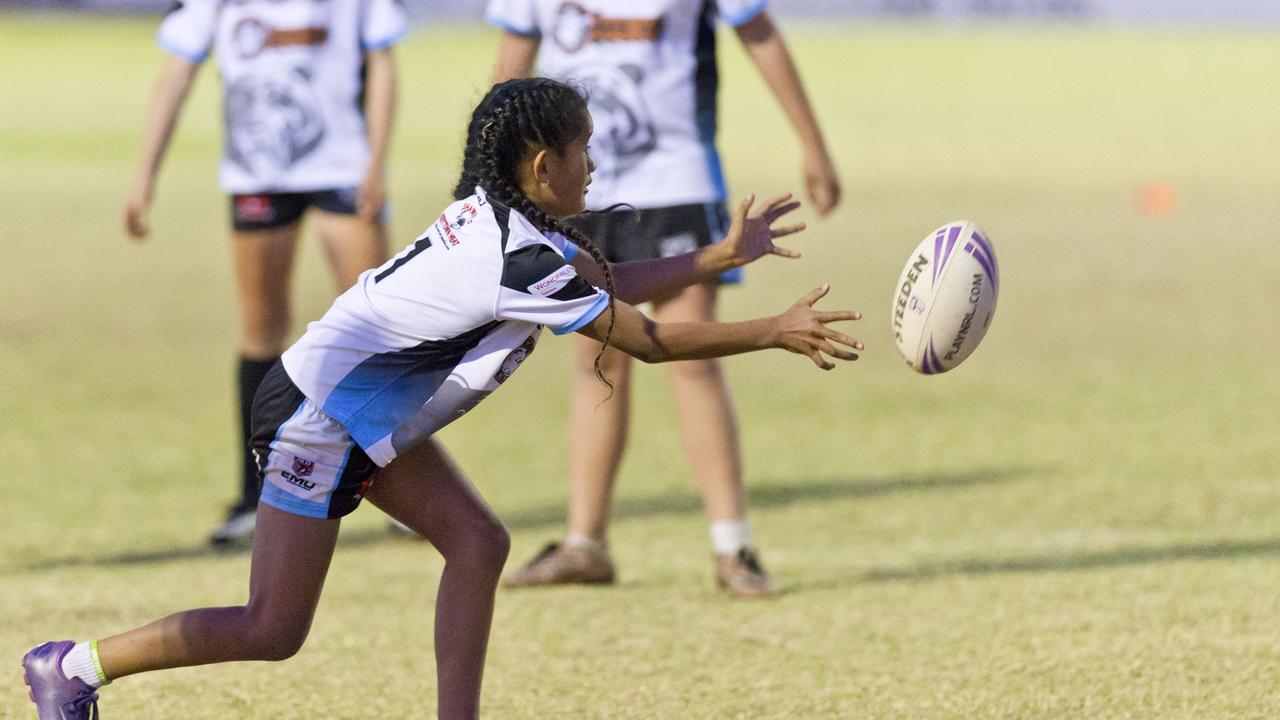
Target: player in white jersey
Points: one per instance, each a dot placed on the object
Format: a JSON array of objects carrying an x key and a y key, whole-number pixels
[
  {"x": 309, "y": 93},
  {"x": 650, "y": 73},
  {"x": 351, "y": 410}
]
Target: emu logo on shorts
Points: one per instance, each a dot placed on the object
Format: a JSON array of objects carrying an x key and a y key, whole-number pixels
[{"x": 303, "y": 468}]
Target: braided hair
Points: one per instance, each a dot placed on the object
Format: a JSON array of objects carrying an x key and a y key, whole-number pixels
[{"x": 515, "y": 118}]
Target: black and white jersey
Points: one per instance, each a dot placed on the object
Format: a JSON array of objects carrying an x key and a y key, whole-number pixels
[
  {"x": 419, "y": 341},
  {"x": 649, "y": 69},
  {"x": 293, "y": 82}
]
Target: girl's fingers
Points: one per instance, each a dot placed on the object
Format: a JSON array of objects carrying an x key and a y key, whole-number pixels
[
  {"x": 744, "y": 207},
  {"x": 785, "y": 231},
  {"x": 775, "y": 201},
  {"x": 837, "y": 316},
  {"x": 820, "y": 361},
  {"x": 773, "y": 213},
  {"x": 840, "y": 338},
  {"x": 784, "y": 252},
  {"x": 825, "y": 346},
  {"x": 815, "y": 295}
]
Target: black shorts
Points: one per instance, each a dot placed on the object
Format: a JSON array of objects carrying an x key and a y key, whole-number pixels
[
  {"x": 308, "y": 463},
  {"x": 266, "y": 211},
  {"x": 625, "y": 235}
]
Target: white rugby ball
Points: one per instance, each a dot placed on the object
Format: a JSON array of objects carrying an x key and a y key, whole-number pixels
[{"x": 945, "y": 298}]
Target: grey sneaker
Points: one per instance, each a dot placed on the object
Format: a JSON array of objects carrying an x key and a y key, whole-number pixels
[
  {"x": 238, "y": 527},
  {"x": 560, "y": 564},
  {"x": 742, "y": 576},
  {"x": 56, "y": 696}
]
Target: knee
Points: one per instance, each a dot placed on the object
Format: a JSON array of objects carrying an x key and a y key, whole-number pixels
[
  {"x": 275, "y": 638},
  {"x": 484, "y": 545}
]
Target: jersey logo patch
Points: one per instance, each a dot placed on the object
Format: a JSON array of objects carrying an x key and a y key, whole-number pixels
[
  {"x": 553, "y": 282},
  {"x": 514, "y": 358}
]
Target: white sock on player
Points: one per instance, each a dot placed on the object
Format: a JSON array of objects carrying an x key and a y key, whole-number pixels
[
  {"x": 582, "y": 542},
  {"x": 82, "y": 661},
  {"x": 730, "y": 536}
]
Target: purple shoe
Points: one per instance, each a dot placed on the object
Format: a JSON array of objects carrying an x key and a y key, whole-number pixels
[{"x": 56, "y": 696}]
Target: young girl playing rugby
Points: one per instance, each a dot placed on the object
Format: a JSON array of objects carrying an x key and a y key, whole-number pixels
[{"x": 351, "y": 409}]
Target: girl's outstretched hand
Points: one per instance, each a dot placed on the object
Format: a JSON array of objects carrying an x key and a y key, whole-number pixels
[
  {"x": 751, "y": 234},
  {"x": 803, "y": 330}
]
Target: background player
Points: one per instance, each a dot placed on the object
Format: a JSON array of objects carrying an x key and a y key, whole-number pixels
[
  {"x": 309, "y": 94},
  {"x": 650, "y": 73},
  {"x": 351, "y": 409}
]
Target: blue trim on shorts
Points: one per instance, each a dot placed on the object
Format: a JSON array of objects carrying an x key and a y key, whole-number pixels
[{"x": 281, "y": 500}]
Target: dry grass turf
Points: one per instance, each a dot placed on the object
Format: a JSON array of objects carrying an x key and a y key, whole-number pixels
[{"x": 1080, "y": 522}]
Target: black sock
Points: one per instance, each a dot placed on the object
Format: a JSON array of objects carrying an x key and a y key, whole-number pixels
[{"x": 251, "y": 374}]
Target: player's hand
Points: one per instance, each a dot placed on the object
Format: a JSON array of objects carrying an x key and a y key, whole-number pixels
[
  {"x": 371, "y": 195},
  {"x": 820, "y": 181},
  {"x": 135, "y": 215},
  {"x": 751, "y": 234},
  {"x": 803, "y": 330}
]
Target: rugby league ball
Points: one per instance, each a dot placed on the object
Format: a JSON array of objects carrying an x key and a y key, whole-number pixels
[{"x": 945, "y": 298}]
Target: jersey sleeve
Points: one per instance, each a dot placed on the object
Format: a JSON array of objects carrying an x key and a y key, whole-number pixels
[
  {"x": 566, "y": 246},
  {"x": 738, "y": 12},
  {"x": 188, "y": 29},
  {"x": 383, "y": 24},
  {"x": 539, "y": 286},
  {"x": 514, "y": 16}
]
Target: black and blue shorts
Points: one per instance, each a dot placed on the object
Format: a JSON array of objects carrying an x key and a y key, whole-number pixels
[
  {"x": 267, "y": 211},
  {"x": 308, "y": 463}
]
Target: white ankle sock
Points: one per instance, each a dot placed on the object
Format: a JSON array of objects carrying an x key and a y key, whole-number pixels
[
  {"x": 730, "y": 536},
  {"x": 82, "y": 661},
  {"x": 582, "y": 542}
]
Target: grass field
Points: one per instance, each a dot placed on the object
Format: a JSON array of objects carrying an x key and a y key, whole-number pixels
[{"x": 1080, "y": 522}]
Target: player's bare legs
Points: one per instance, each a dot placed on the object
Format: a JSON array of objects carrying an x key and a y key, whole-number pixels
[
  {"x": 598, "y": 425},
  {"x": 351, "y": 243},
  {"x": 709, "y": 430},
  {"x": 284, "y": 587},
  {"x": 263, "y": 264},
  {"x": 708, "y": 423},
  {"x": 425, "y": 490}
]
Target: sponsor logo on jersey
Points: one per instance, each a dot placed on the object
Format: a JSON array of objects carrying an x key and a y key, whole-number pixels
[
  {"x": 514, "y": 358},
  {"x": 445, "y": 228},
  {"x": 466, "y": 215},
  {"x": 553, "y": 282}
]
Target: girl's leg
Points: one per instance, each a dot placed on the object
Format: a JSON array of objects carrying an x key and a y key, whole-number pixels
[
  {"x": 425, "y": 490},
  {"x": 709, "y": 429},
  {"x": 708, "y": 424},
  {"x": 598, "y": 427},
  {"x": 263, "y": 261},
  {"x": 352, "y": 245},
  {"x": 263, "y": 264},
  {"x": 284, "y": 587}
]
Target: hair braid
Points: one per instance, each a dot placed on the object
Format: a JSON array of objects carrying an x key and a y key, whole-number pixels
[{"x": 514, "y": 117}]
